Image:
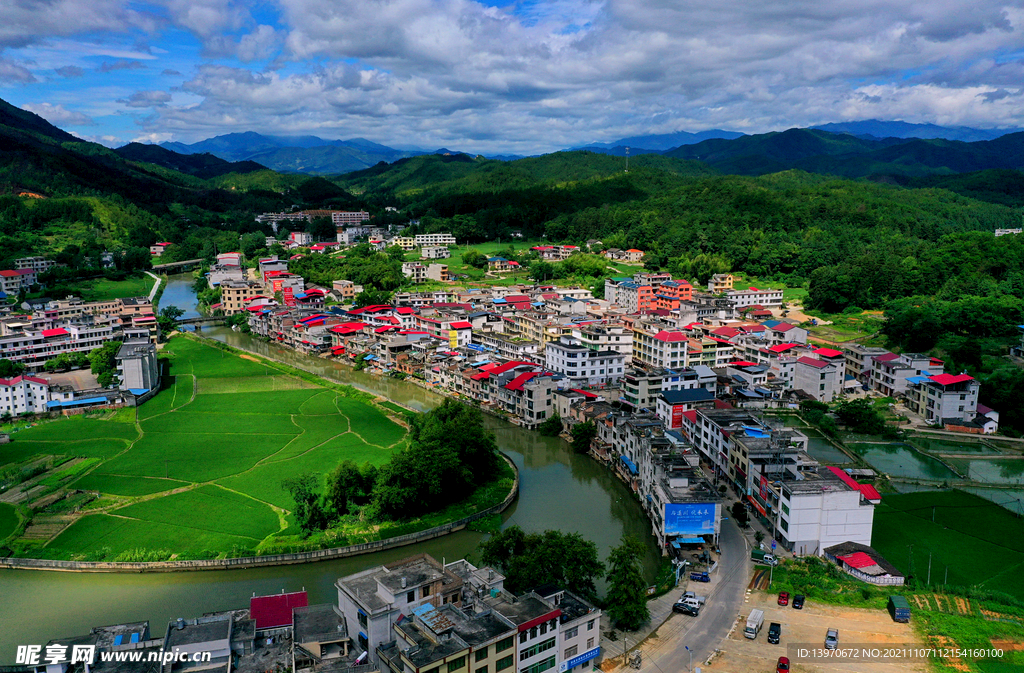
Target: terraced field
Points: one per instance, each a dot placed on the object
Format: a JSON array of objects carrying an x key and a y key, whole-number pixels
[{"x": 198, "y": 471}]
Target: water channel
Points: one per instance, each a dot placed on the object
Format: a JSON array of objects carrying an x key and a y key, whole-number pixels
[{"x": 559, "y": 490}]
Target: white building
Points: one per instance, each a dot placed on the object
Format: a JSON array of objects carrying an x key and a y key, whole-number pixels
[
  {"x": 584, "y": 366},
  {"x": 819, "y": 379},
  {"x": 822, "y": 509},
  {"x": 755, "y": 297},
  {"x": 23, "y": 394},
  {"x": 37, "y": 264},
  {"x": 434, "y": 252},
  {"x": 343, "y": 217},
  {"x": 434, "y": 239},
  {"x": 137, "y": 367}
]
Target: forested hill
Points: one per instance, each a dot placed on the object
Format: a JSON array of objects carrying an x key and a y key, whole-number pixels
[{"x": 200, "y": 165}]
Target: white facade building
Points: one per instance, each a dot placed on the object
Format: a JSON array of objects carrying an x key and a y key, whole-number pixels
[
  {"x": 822, "y": 510},
  {"x": 23, "y": 394},
  {"x": 577, "y": 362},
  {"x": 434, "y": 239}
]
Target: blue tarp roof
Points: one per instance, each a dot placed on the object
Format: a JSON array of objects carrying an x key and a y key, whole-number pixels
[
  {"x": 630, "y": 464},
  {"x": 763, "y": 391},
  {"x": 917, "y": 379},
  {"x": 749, "y": 393},
  {"x": 755, "y": 432},
  {"x": 138, "y": 391}
]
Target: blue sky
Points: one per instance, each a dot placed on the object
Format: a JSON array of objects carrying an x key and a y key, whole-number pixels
[{"x": 512, "y": 78}]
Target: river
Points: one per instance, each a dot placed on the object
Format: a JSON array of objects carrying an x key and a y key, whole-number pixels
[{"x": 559, "y": 490}]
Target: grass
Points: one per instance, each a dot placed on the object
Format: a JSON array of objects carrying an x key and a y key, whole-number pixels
[
  {"x": 190, "y": 356},
  {"x": 77, "y": 429},
  {"x": 371, "y": 424},
  {"x": 193, "y": 457},
  {"x": 846, "y": 327},
  {"x": 966, "y": 528},
  {"x": 251, "y": 384},
  {"x": 398, "y": 409},
  {"x": 8, "y": 520},
  {"x": 68, "y": 472},
  {"x": 970, "y": 632},
  {"x": 101, "y": 289},
  {"x": 284, "y": 402},
  {"x": 17, "y": 451},
  {"x": 190, "y": 422}
]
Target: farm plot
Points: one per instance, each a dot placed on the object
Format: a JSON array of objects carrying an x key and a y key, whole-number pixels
[
  {"x": 193, "y": 457},
  {"x": 264, "y": 481},
  {"x": 252, "y": 384},
  {"x": 175, "y": 393},
  {"x": 320, "y": 405},
  {"x": 189, "y": 422},
  {"x": 208, "y": 508},
  {"x": 192, "y": 357},
  {"x": 315, "y": 431},
  {"x": 245, "y": 404},
  {"x": 109, "y": 537},
  {"x": 77, "y": 429},
  {"x": 8, "y": 520},
  {"x": 127, "y": 486},
  {"x": 17, "y": 451},
  {"x": 370, "y": 423}
]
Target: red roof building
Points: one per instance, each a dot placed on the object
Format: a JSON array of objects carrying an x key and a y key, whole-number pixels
[{"x": 271, "y": 612}]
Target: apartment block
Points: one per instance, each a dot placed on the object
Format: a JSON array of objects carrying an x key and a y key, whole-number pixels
[
  {"x": 434, "y": 239},
  {"x": 582, "y": 365}
]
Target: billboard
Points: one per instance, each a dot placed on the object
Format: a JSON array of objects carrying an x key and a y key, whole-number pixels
[
  {"x": 289, "y": 297},
  {"x": 677, "y": 416},
  {"x": 453, "y": 339},
  {"x": 691, "y": 518}
]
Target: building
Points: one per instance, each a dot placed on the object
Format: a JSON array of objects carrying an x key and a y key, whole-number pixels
[
  {"x": 670, "y": 405},
  {"x": 438, "y": 272},
  {"x": 434, "y": 239},
  {"x": 300, "y": 238},
  {"x": 821, "y": 380},
  {"x": 346, "y": 289},
  {"x": 341, "y": 218},
  {"x": 582, "y": 365},
  {"x": 434, "y": 252},
  {"x": 23, "y": 395},
  {"x": 501, "y": 265},
  {"x": 13, "y": 281},
  {"x": 137, "y": 367},
  {"x": 890, "y": 372},
  {"x": 860, "y": 361},
  {"x": 944, "y": 399},
  {"x": 371, "y": 601},
  {"x": 822, "y": 508},
  {"x": 37, "y": 264},
  {"x": 230, "y": 259},
  {"x": 720, "y": 283},
  {"x": 236, "y": 294},
  {"x": 755, "y": 297},
  {"x": 406, "y": 243},
  {"x": 157, "y": 249}
]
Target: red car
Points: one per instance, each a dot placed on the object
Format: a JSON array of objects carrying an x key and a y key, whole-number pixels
[
  {"x": 784, "y": 598},
  {"x": 783, "y": 665}
]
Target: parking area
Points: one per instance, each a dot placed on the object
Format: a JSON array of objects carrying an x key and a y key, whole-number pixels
[{"x": 807, "y": 627}]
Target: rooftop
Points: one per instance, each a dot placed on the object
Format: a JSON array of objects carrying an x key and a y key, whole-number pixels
[
  {"x": 203, "y": 630},
  {"x": 317, "y": 623}
]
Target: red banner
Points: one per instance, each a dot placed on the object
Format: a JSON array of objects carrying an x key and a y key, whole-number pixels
[
  {"x": 764, "y": 488},
  {"x": 289, "y": 296},
  {"x": 677, "y": 416}
]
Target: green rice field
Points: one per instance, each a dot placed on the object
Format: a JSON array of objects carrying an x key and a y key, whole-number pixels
[
  {"x": 197, "y": 471},
  {"x": 8, "y": 520},
  {"x": 966, "y": 528}
]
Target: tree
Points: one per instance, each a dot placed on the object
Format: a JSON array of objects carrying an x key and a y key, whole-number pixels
[
  {"x": 627, "y": 588},
  {"x": 475, "y": 259},
  {"x": 168, "y": 318},
  {"x": 309, "y": 510},
  {"x": 370, "y": 297},
  {"x": 253, "y": 244},
  {"x": 395, "y": 252},
  {"x": 322, "y": 229},
  {"x": 103, "y": 363},
  {"x": 860, "y": 416},
  {"x": 582, "y": 435},
  {"x": 10, "y": 369},
  {"x": 552, "y": 427},
  {"x": 739, "y": 513},
  {"x": 552, "y": 557},
  {"x": 350, "y": 486},
  {"x": 758, "y": 537}
]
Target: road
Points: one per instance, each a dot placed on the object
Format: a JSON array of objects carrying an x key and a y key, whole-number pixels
[{"x": 667, "y": 653}]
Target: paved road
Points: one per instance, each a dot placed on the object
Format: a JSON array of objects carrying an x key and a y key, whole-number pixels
[{"x": 667, "y": 653}]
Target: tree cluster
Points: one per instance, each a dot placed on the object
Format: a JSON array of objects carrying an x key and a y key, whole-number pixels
[
  {"x": 529, "y": 560},
  {"x": 103, "y": 363}
]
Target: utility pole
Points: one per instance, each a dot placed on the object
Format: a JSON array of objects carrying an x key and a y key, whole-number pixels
[
  {"x": 691, "y": 657},
  {"x": 929, "y": 568},
  {"x": 946, "y": 581}
]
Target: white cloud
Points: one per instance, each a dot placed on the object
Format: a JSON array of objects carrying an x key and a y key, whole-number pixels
[{"x": 60, "y": 116}]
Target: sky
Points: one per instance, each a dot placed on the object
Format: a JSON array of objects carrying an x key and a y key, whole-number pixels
[{"x": 523, "y": 78}]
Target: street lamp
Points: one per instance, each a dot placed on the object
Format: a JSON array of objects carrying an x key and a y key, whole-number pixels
[{"x": 691, "y": 657}]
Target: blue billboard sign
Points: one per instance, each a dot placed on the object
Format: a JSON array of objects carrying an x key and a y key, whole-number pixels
[
  {"x": 576, "y": 661},
  {"x": 690, "y": 519}
]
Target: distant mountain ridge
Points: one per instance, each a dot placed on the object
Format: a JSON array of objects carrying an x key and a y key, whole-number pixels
[
  {"x": 203, "y": 165},
  {"x": 877, "y": 128}
]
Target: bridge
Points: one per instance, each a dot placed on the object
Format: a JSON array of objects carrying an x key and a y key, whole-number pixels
[
  {"x": 182, "y": 265},
  {"x": 204, "y": 320}
]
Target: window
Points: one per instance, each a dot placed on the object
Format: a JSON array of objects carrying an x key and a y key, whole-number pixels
[
  {"x": 590, "y": 643},
  {"x": 784, "y": 508},
  {"x": 533, "y": 632},
  {"x": 536, "y": 649},
  {"x": 543, "y": 628},
  {"x": 481, "y": 654},
  {"x": 568, "y": 634},
  {"x": 503, "y": 663},
  {"x": 503, "y": 644},
  {"x": 590, "y": 625},
  {"x": 570, "y": 652},
  {"x": 426, "y": 591},
  {"x": 784, "y": 525},
  {"x": 456, "y": 664},
  {"x": 482, "y": 669},
  {"x": 523, "y": 636},
  {"x": 541, "y": 666},
  {"x": 362, "y": 619},
  {"x": 410, "y": 597}
]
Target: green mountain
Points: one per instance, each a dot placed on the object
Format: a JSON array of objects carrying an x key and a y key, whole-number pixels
[{"x": 199, "y": 165}]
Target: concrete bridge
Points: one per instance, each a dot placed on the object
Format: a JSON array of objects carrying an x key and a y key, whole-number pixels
[
  {"x": 183, "y": 265},
  {"x": 204, "y": 320}
]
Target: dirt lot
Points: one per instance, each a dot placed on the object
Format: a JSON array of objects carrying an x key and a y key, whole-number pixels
[
  {"x": 79, "y": 379},
  {"x": 807, "y": 627}
]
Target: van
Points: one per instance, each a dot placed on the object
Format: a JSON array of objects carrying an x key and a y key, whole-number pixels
[
  {"x": 754, "y": 623},
  {"x": 774, "y": 633}
]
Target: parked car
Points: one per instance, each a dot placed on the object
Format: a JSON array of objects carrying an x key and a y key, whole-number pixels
[
  {"x": 798, "y": 602},
  {"x": 831, "y": 639},
  {"x": 700, "y": 600},
  {"x": 783, "y": 665},
  {"x": 686, "y": 609},
  {"x": 783, "y": 598},
  {"x": 774, "y": 633}
]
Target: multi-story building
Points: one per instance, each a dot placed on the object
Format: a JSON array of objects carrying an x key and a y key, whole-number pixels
[
  {"x": 720, "y": 283},
  {"x": 37, "y": 264},
  {"x": 300, "y": 238},
  {"x": 660, "y": 348},
  {"x": 33, "y": 347},
  {"x": 414, "y": 271},
  {"x": 821, "y": 380},
  {"x": 347, "y": 289},
  {"x": 14, "y": 281},
  {"x": 755, "y": 297},
  {"x": 605, "y": 337},
  {"x": 582, "y": 365},
  {"x": 372, "y": 600},
  {"x": 890, "y": 372},
  {"x": 434, "y": 239},
  {"x": 670, "y": 405},
  {"x": 157, "y": 249},
  {"x": 944, "y": 399},
  {"x": 507, "y": 346},
  {"x": 341, "y": 218},
  {"x": 860, "y": 360},
  {"x": 23, "y": 395},
  {"x": 137, "y": 367},
  {"x": 407, "y": 243},
  {"x": 235, "y": 295},
  {"x": 634, "y": 297},
  {"x": 434, "y": 252}
]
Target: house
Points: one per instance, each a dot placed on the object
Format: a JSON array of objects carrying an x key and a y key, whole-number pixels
[
  {"x": 37, "y": 264},
  {"x": 671, "y": 404},
  {"x": 346, "y": 290},
  {"x": 137, "y": 367},
  {"x": 755, "y": 297},
  {"x": 434, "y": 252},
  {"x": 230, "y": 259},
  {"x": 946, "y": 399},
  {"x": 632, "y": 256},
  {"x": 235, "y": 295},
  {"x": 407, "y": 243},
  {"x": 720, "y": 283},
  {"x": 300, "y": 238},
  {"x": 581, "y": 365},
  {"x": 157, "y": 249},
  {"x": 501, "y": 265},
  {"x": 821, "y": 380}
]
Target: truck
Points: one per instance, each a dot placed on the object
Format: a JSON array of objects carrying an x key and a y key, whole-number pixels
[
  {"x": 754, "y": 623},
  {"x": 761, "y": 556},
  {"x": 700, "y": 577},
  {"x": 899, "y": 608}
]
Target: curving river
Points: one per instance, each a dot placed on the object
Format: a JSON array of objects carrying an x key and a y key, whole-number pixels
[{"x": 559, "y": 489}]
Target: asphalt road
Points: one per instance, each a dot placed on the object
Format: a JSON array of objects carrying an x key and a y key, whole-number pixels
[{"x": 667, "y": 653}]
